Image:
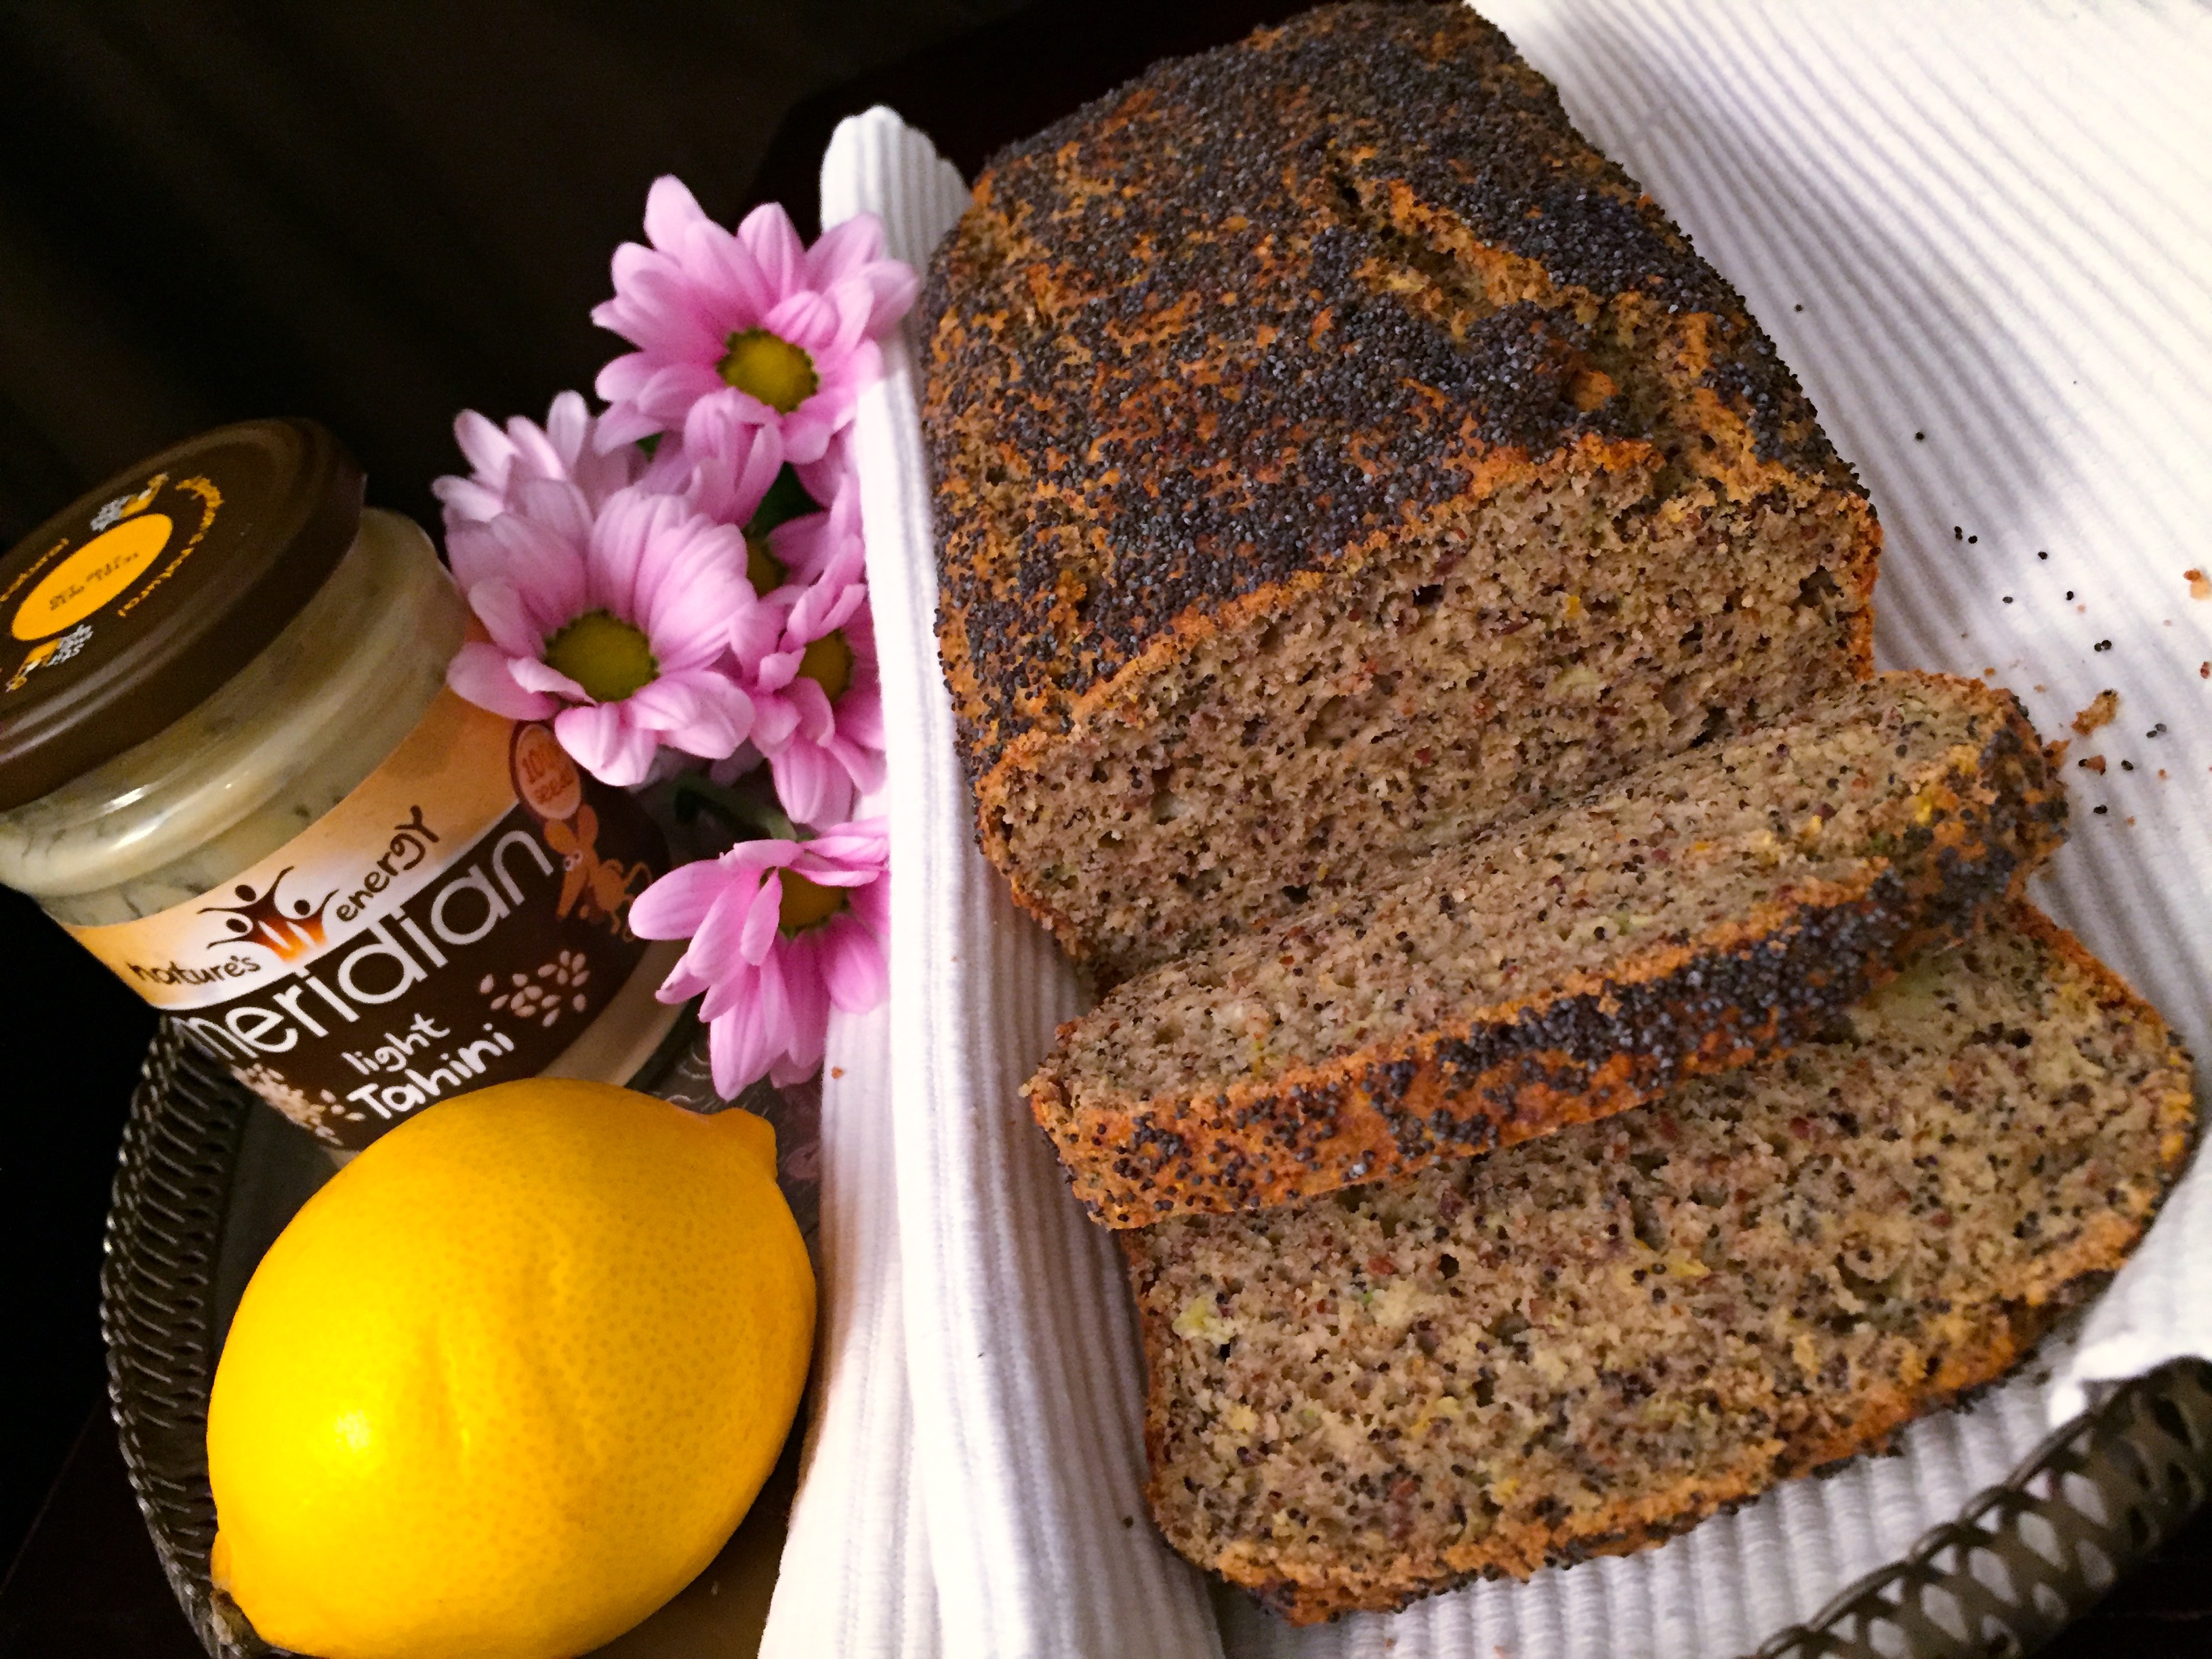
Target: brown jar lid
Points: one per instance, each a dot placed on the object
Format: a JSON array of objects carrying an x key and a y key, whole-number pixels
[{"x": 130, "y": 607}]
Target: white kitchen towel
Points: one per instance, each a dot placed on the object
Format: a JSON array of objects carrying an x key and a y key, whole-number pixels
[
  {"x": 1981, "y": 234},
  {"x": 855, "y": 1579},
  {"x": 1021, "y": 1354}
]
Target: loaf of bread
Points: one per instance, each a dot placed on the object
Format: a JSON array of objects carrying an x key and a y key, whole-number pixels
[
  {"x": 1333, "y": 455},
  {"x": 1589, "y": 1342},
  {"x": 1701, "y": 913}
]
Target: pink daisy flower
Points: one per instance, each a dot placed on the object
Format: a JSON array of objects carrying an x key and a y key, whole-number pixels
[
  {"x": 611, "y": 623},
  {"x": 753, "y": 325},
  {"x": 807, "y": 655},
  {"x": 725, "y": 467},
  {"x": 566, "y": 448},
  {"x": 780, "y": 931}
]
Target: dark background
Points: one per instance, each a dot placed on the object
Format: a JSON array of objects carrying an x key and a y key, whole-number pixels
[{"x": 379, "y": 216}]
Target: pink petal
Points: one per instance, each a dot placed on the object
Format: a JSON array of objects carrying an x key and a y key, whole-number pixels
[
  {"x": 855, "y": 305},
  {"x": 546, "y": 569},
  {"x": 466, "y": 501},
  {"x": 624, "y": 422},
  {"x": 871, "y": 907},
  {"x": 606, "y": 742},
  {"x": 809, "y": 321},
  {"x": 674, "y": 906},
  {"x": 827, "y": 475},
  {"x": 716, "y": 944},
  {"x": 569, "y": 426},
  {"x": 896, "y": 286},
  {"x": 843, "y": 250},
  {"x": 775, "y": 721},
  {"x": 755, "y": 629},
  {"x": 766, "y": 232},
  {"x": 813, "y": 788},
  {"x": 479, "y": 673},
  {"x": 484, "y": 445},
  {"x": 475, "y": 549},
  {"x": 861, "y": 718},
  {"x": 815, "y": 720},
  {"x": 670, "y": 210},
  {"x": 808, "y": 428},
  {"x": 681, "y": 985},
  {"x": 535, "y": 674},
  {"x": 852, "y": 967},
  {"x": 761, "y": 920},
  {"x": 499, "y": 608},
  {"x": 702, "y": 713},
  {"x": 738, "y": 1050}
]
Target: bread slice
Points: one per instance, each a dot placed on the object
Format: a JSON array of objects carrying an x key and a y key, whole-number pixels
[
  {"x": 1588, "y": 1343},
  {"x": 1334, "y": 454},
  {"x": 1714, "y": 907}
]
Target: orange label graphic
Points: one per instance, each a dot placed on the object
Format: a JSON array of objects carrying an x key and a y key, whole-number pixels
[{"x": 91, "y": 576}]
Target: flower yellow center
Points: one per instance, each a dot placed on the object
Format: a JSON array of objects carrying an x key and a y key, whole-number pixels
[
  {"x": 807, "y": 904},
  {"x": 762, "y": 568},
  {"x": 605, "y": 655},
  {"x": 779, "y": 373},
  {"x": 829, "y": 663}
]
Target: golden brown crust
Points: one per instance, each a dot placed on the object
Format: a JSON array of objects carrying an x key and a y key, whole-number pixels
[{"x": 1150, "y": 418}]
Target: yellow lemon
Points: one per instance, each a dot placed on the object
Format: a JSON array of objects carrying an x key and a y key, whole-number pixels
[{"x": 508, "y": 1382}]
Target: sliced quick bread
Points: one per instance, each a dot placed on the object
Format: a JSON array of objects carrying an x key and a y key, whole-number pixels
[
  {"x": 1586, "y": 1343},
  {"x": 1706, "y": 911}
]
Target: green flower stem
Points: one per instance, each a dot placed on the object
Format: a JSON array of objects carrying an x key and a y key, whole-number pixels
[{"x": 744, "y": 806}]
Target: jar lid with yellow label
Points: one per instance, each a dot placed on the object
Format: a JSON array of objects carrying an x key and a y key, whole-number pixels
[{"x": 130, "y": 606}]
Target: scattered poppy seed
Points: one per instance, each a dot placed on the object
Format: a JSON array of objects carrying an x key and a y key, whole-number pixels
[
  {"x": 2127, "y": 766},
  {"x": 2102, "y": 645},
  {"x": 2042, "y": 556},
  {"x": 1971, "y": 540},
  {"x": 1920, "y": 437},
  {"x": 2007, "y": 599},
  {"x": 2098, "y": 810},
  {"x": 2069, "y": 592},
  {"x": 1957, "y": 533}
]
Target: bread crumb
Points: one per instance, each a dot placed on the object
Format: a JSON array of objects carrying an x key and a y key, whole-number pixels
[
  {"x": 2093, "y": 764},
  {"x": 2103, "y": 709},
  {"x": 2200, "y": 587},
  {"x": 836, "y": 1071}
]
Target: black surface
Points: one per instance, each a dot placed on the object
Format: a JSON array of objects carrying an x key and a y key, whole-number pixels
[
  {"x": 379, "y": 216},
  {"x": 86, "y": 1585},
  {"x": 75, "y": 1036}
]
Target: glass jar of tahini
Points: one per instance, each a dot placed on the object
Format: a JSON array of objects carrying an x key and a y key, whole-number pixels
[{"x": 230, "y": 766}]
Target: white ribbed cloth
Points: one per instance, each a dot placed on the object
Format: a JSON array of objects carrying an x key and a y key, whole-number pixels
[{"x": 1997, "y": 220}]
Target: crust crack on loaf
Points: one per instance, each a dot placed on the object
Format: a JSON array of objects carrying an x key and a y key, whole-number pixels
[
  {"x": 1582, "y": 1345},
  {"x": 1701, "y": 913},
  {"x": 1335, "y": 455}
]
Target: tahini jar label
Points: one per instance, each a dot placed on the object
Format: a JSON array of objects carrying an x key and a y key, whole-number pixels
[{"x": 457, "y": 920}]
